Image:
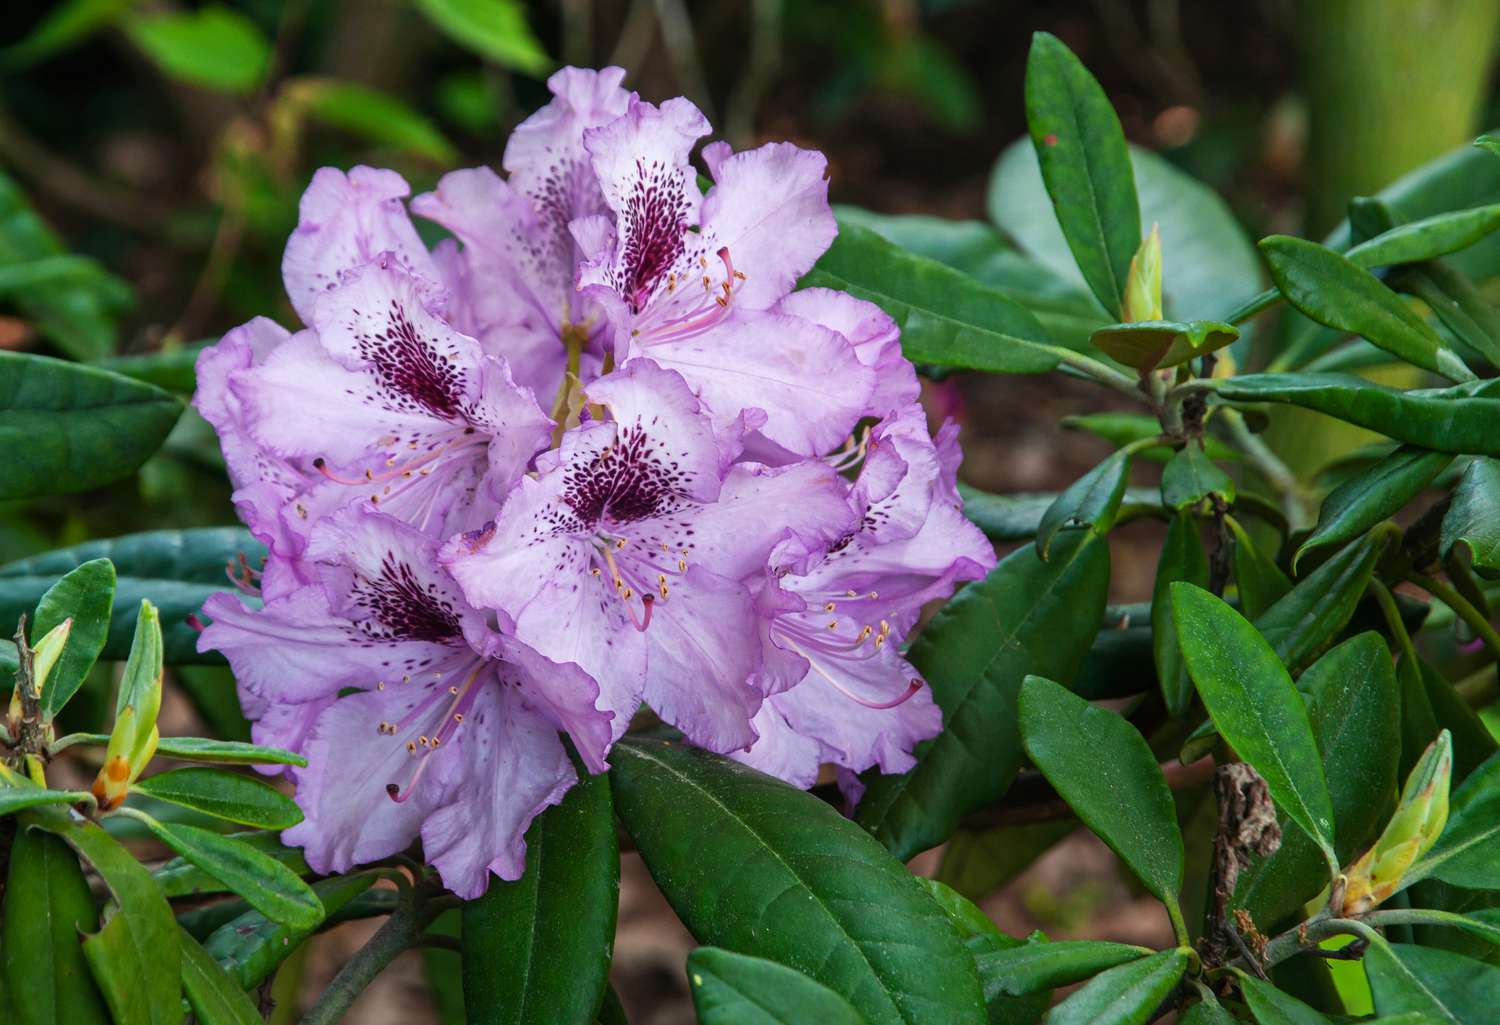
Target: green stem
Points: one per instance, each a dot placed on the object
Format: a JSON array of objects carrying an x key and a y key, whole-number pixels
[
  {"x": 1278, "y": 475},
  {"x": 401, "y": 931},
  {"x": 1099, "y": 371},
  {"x": 1392, "y": 615},
  {"x": 1461, "y": 607},
  {"x": 1179, "y": 926}
]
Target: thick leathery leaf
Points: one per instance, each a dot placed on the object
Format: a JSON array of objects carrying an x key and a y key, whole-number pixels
[
  {"x": 15, "y": 799},
  {"x": 250, "y": 946},
  {"x": 1160, "y": 344},
  {"x": 1130, "y": 807},
  {"x": 1473, "y": 520},
  {"x": 1318, "y": 607},
  {"x": 1373, "y": 495},
  {"x": 1467, "y": 853},
  {"x": 1125, "y": 995},
  {"x": 66, "y": 427},
  {"x": 176, "y": 569},
  {"x": 1428, "y": 980},
  {"x": 47, "y": 904},
  {"x": 1255, "y": 706},
  {"x": 1191, "y": 478},
  {"x": 1090, "y": 501},
  {"x": 537, "y": 950},
  {"x": 180, "y": 878},
  {"x": 759, "y": 868},
  {"x": 1018, "y": 517},
  {"x": 1085, "y": 166},
  {"x": 947, "y": 318},
  {"x": 216, "y": 999},
  {"x": 224, "y": 795},
  {"x": 1030, "y": 967},
  {"x": 84, "y": 595},
  {"x": 1257, "y": 578},
  {"x": 733, "y": 989},
  {"x": 1273, "y": 1007},
  {"x": 1459, "y": 420},
  {"x": 1026, "y": 617}
]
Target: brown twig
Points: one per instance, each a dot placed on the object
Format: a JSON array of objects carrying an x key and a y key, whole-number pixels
[{"x": 1247, "y": 829}]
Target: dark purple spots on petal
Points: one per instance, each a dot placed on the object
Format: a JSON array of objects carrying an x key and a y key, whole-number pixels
[
  {"x": 403, "y": 608},
  {"x": 416, "y": 376}
]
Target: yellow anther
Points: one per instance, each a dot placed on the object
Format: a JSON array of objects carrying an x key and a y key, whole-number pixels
[
  {"x": 829, "y": 607},
  {"x": 833, "y": 624}
]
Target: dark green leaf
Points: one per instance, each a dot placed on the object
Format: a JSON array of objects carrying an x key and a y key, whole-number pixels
[
  {"x": 1255, "y": 707},
  {"x": 1446, "y": 420},
  {"x": 1130, "y": 807},
  {"x": 67, "y": 428},
  {"x": 612, "y": 1012},
  {"x": 1207, "y": 1013},
  {"x": 1468, "y": 851},
  {"x": 1018, "y": 517},
  {"x": 1191, "y": 477},
  {"x": 1031, "y": 967},
  {"x": 946, "y": 317},
  {"x": 173, "y": 369},
  {"x": 224, "y": 795},
  {"x": 733, "y": 989},
  {"x": 1085, "y": 165},
  {"x": 370, "y": 114},
  {"x": 269, "y": 886},
  {"x": 1428, "y": 980},
  {"x": 966, "y": 917},
  {"x": 85, "y": 595},
  {"x": 15, "y": 799},
  {"x": 1429, "y": 237},
  {"x": 1353, "y": 706},
  {"x": 1326, "y": 287},
  {"x": 1304, "y": 620},
  {"x": 1273, "y": 1007},
  {"x": 1373, "y": 495},
  {"x": 1120, "y": 429},
  {"x": 180, "y": 878},
  {"x": 1260, "y": 582},
  {"x": 213, "y": 47},
  {"x": 1473, "y": 520},
  {"x": 214, "y": 997},
  {"x": 135, "y": 959},
  {"x": 1182, "y": 559},
  {"x": 1457, "y": 303},
  {"x": 1090, "y": 501},
  {"x": 537, "y": 950},
  {"x": 203, "y": 749},
  {"x": 1473, "y": 743},
  {"x": 1026, "y": 617},
  {"x": 65, "y": 25},
  {"x": 1125, "y": 995},
  {"x": 176, "y": 569},
  {"x": 1152, "y": 344},
  {"x": 753, "y": 865},
  {"x": 47, "y": 905},
  {"x": 494, "y": 29},
  {"x": 250, "y": 946}
]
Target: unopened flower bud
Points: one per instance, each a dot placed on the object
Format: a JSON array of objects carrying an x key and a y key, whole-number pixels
[
  {"x": 132, "y": 742},
  {"x": 1143, "y": 286},
  {"x": 46, "y": 652},
  {"x": 1411, "y": 832}
]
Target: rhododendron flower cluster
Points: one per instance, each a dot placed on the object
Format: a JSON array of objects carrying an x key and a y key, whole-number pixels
[{"x": 592, "y": 452}]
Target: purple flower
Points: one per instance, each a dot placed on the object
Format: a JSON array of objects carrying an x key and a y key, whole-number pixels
[
  {"x": 382, "y": 403},
  {"x": 451, "y": 729},
  {"x": 835, "y": 615},
  {"x": 626, "y": 554}
]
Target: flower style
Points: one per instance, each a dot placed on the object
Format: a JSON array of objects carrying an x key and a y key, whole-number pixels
[
  {"x": 452, "y": 728},
  {"x": 627, "y": 554},
  {"x": 835, "y": 615}
]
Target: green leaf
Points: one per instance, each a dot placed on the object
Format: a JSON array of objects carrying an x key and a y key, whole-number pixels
[
  {"x": 611, "y": 1012},
  {"x": 224, "y": 795},
  {"x": 1206, "y": 254},
  {"x": 1355, "y": 711},
  {"x": 1191, "y": 478},
  {"x": 733, "y": 989},
  {"x": 250, "y": 946},
  {"x": 47, "y": 905},
  {"x": 1418, "y": 241},
  {"x": 1273, "y": 1007},
  {"x": 1327, "y": 288},
  {"x": 1467, "y": 853},
  {"x": 64, "y": 26},
  {"x": 946, "y": 317},
  {"x": 1090, "y": 501},
  {"x": 1373, "y": 495},
  {"x": 1120, "y": 429},
  {"x": 1130, "y": 807},
  {"x": 214, "y": 997},
  {"x": 1018, "y": 517},
  {"x": 269, "y": 886},
  {"x": 1473, "y": 743},
  {"x": 135, "y": 958},
  {"x": 1032, "y": 967},
  {"x": 68, "y": 428},
  {"x": 755, "y": 866},
  {"x": 1081, "y": 150},
  {"x": 1260, "y": 582},
  {"x": 1156, "y": 344},
  {"x": 494, "y": 29},
  {"x": 370, "y": 114},
  {"x": 213, "y": 47},
  {"x": 966, "y": 917},
  {"x": 1207, "y": 1013},
  {"x": 1473, "y": 520},
  {"x": 86, "y": 596},
  {"x": 1255, "y": 707},
  {"x": 15, "y": 799},
  {"x": 1456, "y": 302},
  {"x": 203, "y": 749},
  {"x": 1125, "y": 995},
  {"x": 1428, "y": 980},
  {"x": 537, "y": 950},
  {"x": 1305, "y": 619},
  {"x": 176, "y": 569},
  {"x": 1026, "y": 617},
  {"x": 180, "y": 878},
  {"x": 1446, "y": 420},
  {"x": 173, "y": 369}
]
